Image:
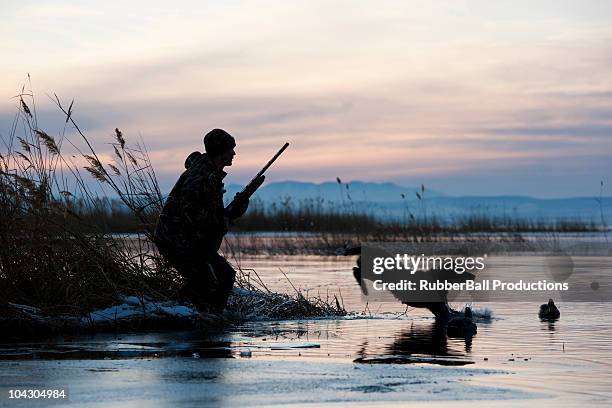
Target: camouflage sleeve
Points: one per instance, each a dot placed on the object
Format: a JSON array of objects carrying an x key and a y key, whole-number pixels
[{"x": 202, "y": 206}]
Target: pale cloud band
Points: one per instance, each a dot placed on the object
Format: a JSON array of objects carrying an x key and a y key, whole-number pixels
[{"x": 472, "y": 97}]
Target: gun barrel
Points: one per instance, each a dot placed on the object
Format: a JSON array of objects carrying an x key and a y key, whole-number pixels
[
  {"x": 253, "y": 185},
  {"x": 272, "y": 160}
]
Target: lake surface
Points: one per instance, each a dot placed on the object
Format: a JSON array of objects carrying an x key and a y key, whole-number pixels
[{"x": 382, "y": 355}]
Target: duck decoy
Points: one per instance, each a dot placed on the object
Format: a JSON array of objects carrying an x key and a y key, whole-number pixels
[
  {"x": 461, "y": 326},
  {"x": 549, "y": 311}
]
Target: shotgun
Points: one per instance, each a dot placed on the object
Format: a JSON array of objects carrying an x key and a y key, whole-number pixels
[{"x": 256, "y": 182}]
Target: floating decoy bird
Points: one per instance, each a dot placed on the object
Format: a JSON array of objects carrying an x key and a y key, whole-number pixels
[
  {"x": 549, "y": 311},
  {"x": 461, "y": 326}
]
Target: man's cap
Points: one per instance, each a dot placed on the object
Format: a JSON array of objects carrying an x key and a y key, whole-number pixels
[{"x": 218, "y": 141}]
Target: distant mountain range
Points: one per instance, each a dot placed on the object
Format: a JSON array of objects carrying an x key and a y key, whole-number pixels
[
  {"x": 389, "y": 200},
  {"x": 336, "y": 192}
]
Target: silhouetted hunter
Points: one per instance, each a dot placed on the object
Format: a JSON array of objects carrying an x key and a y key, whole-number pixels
[{"x": 194, "y": 221}]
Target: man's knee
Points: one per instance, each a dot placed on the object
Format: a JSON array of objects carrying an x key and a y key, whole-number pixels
[
  {"x": 208, "y": 281},
  {"x": 223, "y": 269}
]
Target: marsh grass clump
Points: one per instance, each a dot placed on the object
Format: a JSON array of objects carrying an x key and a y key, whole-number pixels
[
  {"x": 262, "y": 305},
  {"x": 51, "y": 256},
  {"x": 252, "y": 300}
]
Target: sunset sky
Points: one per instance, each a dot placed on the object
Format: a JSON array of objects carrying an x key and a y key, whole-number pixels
[{"x": 468, "y": 97}]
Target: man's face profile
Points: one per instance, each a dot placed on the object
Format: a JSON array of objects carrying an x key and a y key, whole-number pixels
[{"x": 226, "y": 158}]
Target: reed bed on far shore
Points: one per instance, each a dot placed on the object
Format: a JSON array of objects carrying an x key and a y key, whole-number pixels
[{"x": 314, "y": 216}]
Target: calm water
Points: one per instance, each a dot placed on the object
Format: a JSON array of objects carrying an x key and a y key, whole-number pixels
[{"x": 514, "y": 360}]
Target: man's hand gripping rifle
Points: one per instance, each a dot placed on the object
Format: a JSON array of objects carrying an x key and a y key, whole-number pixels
[{"x": 240, "y": 203}]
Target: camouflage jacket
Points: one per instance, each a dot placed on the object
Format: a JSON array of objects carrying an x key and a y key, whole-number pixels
[{"x": 193, "y": 217}]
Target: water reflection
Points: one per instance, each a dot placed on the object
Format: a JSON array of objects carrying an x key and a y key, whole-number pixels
[
  {"x": 193, "y": 344},
  {"x": 465, "y": 339},
  {"x": 549, "y": 324},
  {"x": 421, "y": 342},
  {"x": 422, "y": 338}
]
